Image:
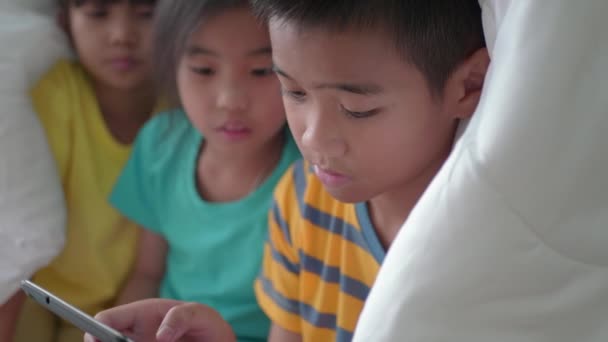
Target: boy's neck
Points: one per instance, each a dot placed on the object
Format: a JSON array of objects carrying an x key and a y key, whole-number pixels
[
  {"x": 125, "y": 111},
  {"x": 388, "y": 211}
]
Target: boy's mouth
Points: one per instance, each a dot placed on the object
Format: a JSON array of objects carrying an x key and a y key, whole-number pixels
[{"x": 330, "y": 178}]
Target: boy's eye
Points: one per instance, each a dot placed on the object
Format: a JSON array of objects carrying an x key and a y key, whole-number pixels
[
  {"x": 204, "y": 71},
  {"x": 296, "y": 95},
  {"x": 262, "y": 72},
  {"x": 359, "y": 115}
]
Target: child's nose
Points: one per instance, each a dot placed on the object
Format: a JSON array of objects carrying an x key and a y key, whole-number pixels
[
  {"x": 232, "y": 98},
  {"x": 123, "y": 32},
  {"x": 322, "y": 138}
]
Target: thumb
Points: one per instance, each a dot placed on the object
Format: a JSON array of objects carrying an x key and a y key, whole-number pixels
[
  {"x": 89, "y": 338},
  {"x": 196, "y": 321},
  {"x": 178, "y": 322}
]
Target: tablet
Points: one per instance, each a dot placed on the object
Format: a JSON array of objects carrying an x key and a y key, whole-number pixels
[{"x": 71, "y": 314}]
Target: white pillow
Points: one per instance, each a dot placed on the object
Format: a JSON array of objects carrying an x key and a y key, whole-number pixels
[
  {"x": 32, "y": 213},
  {"x": 510, "y": 241},
  {"x": 43, "y": 7}
]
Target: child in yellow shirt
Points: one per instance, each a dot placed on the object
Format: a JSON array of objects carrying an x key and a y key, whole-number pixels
[{"x": 91, "y": 110}]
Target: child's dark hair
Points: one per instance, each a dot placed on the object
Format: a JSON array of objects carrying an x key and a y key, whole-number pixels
[
  {"x": 175, "y": 22},
  {"x": 434, "y": 35},
  {"x": 77, "y": 3}
]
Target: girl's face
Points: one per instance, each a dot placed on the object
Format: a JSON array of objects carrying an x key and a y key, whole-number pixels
[
  {"x": 226, "y": 84},
  {"x": 113, "y": 42}
]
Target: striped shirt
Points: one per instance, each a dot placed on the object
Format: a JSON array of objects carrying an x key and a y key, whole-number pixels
[{"x": 320, "y": 260}]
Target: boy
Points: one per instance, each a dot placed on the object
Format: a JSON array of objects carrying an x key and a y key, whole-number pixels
[
  {"x": 91, "y": 110},
  {"x": 373, "y": 92}
]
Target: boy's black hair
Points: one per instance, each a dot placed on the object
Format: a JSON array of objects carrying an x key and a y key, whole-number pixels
[
  {"x": 77, "y": 3},
  {"x": 175, "y": 22},
  {"x": 434, "y": 35}
]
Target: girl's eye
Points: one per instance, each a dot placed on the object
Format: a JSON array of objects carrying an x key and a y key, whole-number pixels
[
  {"x": 297, "y": 95},
  {"x": 262, "y": 72},
  {"x": 359, "y": 115},
  {"x": 203, "y": 71},
  {"x": 97, "y": 14},
  {"x": 145, "y": 12}
]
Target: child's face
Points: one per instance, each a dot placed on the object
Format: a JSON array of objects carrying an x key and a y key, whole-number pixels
[
  {"x": 113, "y": 42},
  {"x": 226, "y": 85},
  {"x": 361, "y": 115}
]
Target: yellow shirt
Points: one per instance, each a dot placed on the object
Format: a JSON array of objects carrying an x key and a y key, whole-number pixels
[
  {"x": 101, "y": 244},
  {"x": 320, "y": 261}
]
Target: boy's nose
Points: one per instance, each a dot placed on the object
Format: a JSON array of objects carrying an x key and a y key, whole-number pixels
[{"x": 322, "y": 138}]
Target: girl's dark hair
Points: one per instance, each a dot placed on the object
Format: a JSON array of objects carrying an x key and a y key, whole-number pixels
[
  {"x": 434, "y": 35},
  {"x": 66, "y": 3},
  {"x": 175, "y": 22}
]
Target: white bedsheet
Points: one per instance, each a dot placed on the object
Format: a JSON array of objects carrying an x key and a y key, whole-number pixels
[{"x": 510, "y": 242}]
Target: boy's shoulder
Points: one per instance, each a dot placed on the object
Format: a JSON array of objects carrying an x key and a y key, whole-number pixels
[
  {"x": 300, "y": 189},
  {"x": 296, "y": 179}
]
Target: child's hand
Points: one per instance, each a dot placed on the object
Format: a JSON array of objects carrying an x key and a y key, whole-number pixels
[{"x": 166, "y": 320}]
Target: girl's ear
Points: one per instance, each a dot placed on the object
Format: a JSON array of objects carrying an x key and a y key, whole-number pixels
[{"x": 63, "y": 21}]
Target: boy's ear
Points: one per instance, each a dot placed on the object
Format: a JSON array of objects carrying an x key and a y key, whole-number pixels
[{"x": 466, "y": 82}]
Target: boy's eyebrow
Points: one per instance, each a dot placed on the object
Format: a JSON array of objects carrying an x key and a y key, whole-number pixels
[
  {"x": 359, "y": 89},
  {"x": 195, "y": 50},
  {"x": 265, "y": 50}
]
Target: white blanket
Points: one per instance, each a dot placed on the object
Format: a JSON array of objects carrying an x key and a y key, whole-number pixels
[
  {"x": 510, "y": 242},
  {"x": 32, "y": 217}
]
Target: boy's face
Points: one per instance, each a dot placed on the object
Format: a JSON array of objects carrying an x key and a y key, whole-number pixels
[
  {"x": 113, "y": 42},
  {"x": 361, "y": 115}
]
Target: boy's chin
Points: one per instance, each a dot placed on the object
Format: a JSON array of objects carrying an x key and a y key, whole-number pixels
[{"x": 347, "y": 195}]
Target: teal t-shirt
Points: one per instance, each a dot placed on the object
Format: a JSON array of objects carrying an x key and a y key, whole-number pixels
[{"x": 215, "y": 249}]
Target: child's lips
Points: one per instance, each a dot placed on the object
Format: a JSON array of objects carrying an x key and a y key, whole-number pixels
[
  {"x": 123, "y": 63},
  {"x": 234, "y": 131},
  {"x": 330, "y": 178}
]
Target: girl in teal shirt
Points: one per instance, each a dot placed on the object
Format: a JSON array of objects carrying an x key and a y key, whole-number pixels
[{"x": 200, "y": 178}]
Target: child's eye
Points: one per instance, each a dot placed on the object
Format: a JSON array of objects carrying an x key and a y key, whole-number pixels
[
  {"x": 359, "y": 115},
  {"x": 97, "y": 14},
  {"x": 145, "y": 12},
  {"x": 203, "y": 71},
  {"x": 297, "y": 95},
  {"x": 262, "y": 72}
]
